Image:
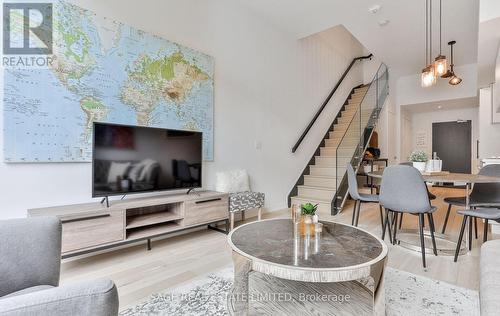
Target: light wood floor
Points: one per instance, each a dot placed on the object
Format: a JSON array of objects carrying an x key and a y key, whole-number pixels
[{"x": 139, "y": 273}]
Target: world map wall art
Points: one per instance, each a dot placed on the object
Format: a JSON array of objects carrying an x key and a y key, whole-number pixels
[{"x": 105, "y": 71}]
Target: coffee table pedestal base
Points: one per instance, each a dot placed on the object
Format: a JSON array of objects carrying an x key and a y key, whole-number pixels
[{"x": 256, "y": 293}]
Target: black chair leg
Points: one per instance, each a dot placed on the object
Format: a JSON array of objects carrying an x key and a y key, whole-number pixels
[
  {"x": 485, "y": 233},
  {"x": 470, "y": 233},
  {"x": 387, "y": 226},
  {"x": 401, "y": 220},
  {"x": 393, "y": 221},
  {"x": 475, "y": 227},
  {"x": 432, "y": 228},
  {"x": 395, "y": 228},
  {"x": 381, "y": 216},
  {"x": 354, "y": 212},
  {"x": 446, "y": 219},
  {"x": 460, "y": 236},
  {"x": 422, "y": 242},
  {"x": 357, "y": 214}
]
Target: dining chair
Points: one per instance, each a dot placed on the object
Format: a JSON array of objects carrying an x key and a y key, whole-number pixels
[
  {"x": 486, "y": 213},
  {"x": 403, "y": 190},
  {"x": 482, "y": 194},
  {"x": 431, "y": 196},
  {"x": 360, "y": 198}
]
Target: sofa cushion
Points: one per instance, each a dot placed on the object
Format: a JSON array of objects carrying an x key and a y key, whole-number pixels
[
  {"x": 28, "y": 290},
  {"x": 489, "y": 291},
  {"x": 93, "y": 297}
]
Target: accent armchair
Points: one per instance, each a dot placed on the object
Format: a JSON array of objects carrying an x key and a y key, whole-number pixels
[
  {"x": 30, "y": 262},
  {"x": 241, "y": 197}
]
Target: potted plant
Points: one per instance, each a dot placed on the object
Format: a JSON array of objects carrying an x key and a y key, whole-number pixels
[
  {"x": 419, "y": 160},
  {"x": 307, "y": 218}
]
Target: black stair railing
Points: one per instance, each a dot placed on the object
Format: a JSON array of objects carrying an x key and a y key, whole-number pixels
[{"x": 328, "y": 98}]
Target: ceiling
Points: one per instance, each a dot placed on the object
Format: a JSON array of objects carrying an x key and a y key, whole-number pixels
[
  {"x": 400, "y": 43},
  {"x": 443, "y": 105}
]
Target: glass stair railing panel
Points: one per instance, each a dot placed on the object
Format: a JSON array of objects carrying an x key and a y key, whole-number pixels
[{"x": 353, "y": 144}]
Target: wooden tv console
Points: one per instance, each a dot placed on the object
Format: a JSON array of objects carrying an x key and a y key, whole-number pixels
[{"x": 93, "y": 226}]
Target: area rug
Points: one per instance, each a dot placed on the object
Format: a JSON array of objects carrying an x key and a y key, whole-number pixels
[{"x": 406, "y": 294}]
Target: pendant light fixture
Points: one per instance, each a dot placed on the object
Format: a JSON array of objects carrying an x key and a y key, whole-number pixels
[
  {"x": 440, "y": 62},
  {"x": 454, "y": 79},
  {"x": 428, "y": 76}
]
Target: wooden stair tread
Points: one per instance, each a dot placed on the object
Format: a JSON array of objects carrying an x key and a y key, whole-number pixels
[
  {"x": 311, "y": 199},
  {"x": 319, "y": 177},
  {"x": 315, "y": 187}
]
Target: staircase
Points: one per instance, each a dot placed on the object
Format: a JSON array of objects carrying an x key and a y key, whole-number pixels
[
  {"x": 320, "y": 183},
  {"x": 323, "y": 181}
]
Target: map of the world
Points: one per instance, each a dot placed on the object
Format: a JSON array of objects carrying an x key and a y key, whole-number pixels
[{"x": 105, "y": 71}]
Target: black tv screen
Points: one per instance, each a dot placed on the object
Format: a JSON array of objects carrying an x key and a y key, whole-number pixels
[{"x": 135, "y": 159}]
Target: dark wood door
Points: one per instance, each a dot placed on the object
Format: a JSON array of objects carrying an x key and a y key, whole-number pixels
[{"x": 452, "y": 143}]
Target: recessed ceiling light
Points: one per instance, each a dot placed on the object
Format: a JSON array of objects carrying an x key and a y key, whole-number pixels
[
  {"x": 440, "y": 107},
  {"x": 374, "y": 9},
  {"x": 383, "y": 22}
]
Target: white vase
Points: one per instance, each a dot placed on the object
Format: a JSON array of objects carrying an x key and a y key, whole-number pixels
[
  {"x": 315, "y": 218},
  {"x": 420, "y": 166}
]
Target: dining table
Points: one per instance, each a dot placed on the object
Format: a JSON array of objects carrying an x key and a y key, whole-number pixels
[{"x": 408, "y": 238}]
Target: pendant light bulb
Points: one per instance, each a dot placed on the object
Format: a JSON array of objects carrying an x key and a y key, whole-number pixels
[
  {"x": 428, "y": 78},
  {"x": 454, "y": 80},
  {"x": 440, "y": 65},
  {"x": 440, "y": 62}
]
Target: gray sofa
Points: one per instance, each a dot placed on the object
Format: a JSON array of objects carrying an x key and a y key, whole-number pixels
[
  {"x": 30, "y": 261},
  {"x": 489, "y": 289}
]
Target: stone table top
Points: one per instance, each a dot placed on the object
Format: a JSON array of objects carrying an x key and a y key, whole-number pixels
[{"x": 337, "y": 247}]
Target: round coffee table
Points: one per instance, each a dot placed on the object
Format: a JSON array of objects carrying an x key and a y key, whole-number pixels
[{"x": 339, "y": 271}]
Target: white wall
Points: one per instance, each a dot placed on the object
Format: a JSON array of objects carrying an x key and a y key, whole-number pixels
[
  {"x": 267, "y": 87},
  {"x": 422, "y": 124},
  {"x": 386, "y": 128},
  {"x": 489, "y": 134},
  {"x": 406, "y": 135},
  {"x": 488, "y": 9}
]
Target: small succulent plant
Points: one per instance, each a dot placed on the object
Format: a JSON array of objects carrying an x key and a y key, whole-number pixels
[
  {"x": 308, "y": 209},
  {"x": 418, "y": 156}
]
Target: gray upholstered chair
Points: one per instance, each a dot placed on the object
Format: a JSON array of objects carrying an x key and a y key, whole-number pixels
[
  {"x": 431, "y": 196},
  {"x": 483, "y": 194},
  {"x": 491, "y": 213},
  {"x": 359, "y": 198},
  {"x": 30, "y": 261},
  {"x": 403, "y": 190}
]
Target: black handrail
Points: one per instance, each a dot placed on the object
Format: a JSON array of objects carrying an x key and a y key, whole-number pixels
[{"x": 318, "y": 113}]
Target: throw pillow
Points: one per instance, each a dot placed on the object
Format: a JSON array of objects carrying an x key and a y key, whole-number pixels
[{"x": 232, "y": 181}]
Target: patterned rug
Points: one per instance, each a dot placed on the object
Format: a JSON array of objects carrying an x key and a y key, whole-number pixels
[{"x": 406, "y": 294}]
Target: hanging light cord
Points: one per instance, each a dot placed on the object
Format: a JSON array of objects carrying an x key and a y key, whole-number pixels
[
  {"x": 440, "y": 24},
  {"x": 426, "y": 31},
  {"x": 430, "y": 32}
]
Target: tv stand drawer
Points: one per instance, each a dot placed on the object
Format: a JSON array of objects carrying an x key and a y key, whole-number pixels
[
  {"x": 91, "y": 230},
  {"x": 206, "y": 210}
]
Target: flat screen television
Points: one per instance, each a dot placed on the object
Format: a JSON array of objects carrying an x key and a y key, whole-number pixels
[{"x": 135, "y": 159}]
